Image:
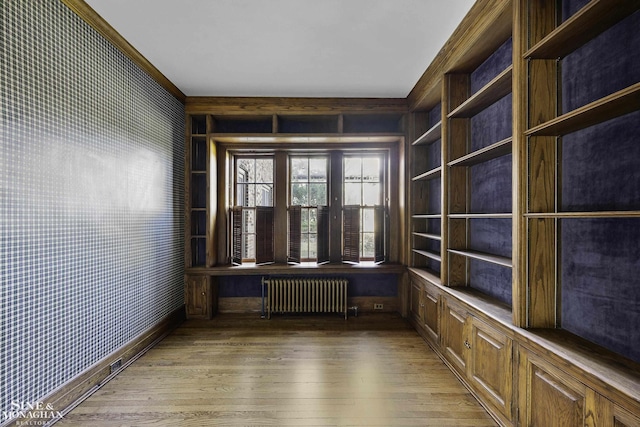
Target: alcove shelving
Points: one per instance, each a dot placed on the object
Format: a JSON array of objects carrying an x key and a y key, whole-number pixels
[
  {"x": 582, "y": 191},
  {"x": 426, "y": 189},
  {"x": 479, "y": 171},
  {"x": 197, "y": 216},
  {"x": 536, "y": 306}
]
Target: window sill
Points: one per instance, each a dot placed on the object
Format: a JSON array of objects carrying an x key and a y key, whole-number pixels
[{"x": 303, "y": 268}]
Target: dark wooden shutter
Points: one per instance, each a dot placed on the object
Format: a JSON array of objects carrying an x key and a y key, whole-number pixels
[
  {"x": 264, "y": 235},
  {"x": 378, "y": 233},
  {"x": 295, "y": 225},
  {"x": 323, "y": 234},
  {"x": 236, "y": 231},
  {"x": 351, "y": 234}
]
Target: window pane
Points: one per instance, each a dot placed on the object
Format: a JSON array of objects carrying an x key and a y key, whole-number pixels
[
  {"x": 352, "y": 169},
  {"x": 318, "y": 170},
  {"x": 313, "y": 220},
  {"x": 304, "y": 246},
  {"x": 371, "y": 194},
  {"x": 305, "y": 221},
  {"x": 248, "y": 221},
  {"x": 317, "y": 194},
  {"x": 352, "y": 194},
  {"x": 246, "y": 170},
  {"x": 371, "y": 169},
  {"x": 368, "y": 248},
  {"x": 367, "y": 220},
  {"x": 299, "y": 169},
  {"x": 264, "y": 170},
  {"x": 264, "y": 194},
  {"x": 299, "y": 194},
  {"x": 313, "y": 246},
  {"x": 249, "y": 246},
  {"x": 249, "y": 196}
]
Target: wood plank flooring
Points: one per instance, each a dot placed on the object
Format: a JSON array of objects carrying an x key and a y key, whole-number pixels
[{"x": 240, "y": 370}]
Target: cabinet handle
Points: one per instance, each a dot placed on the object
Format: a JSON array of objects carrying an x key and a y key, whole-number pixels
[
  {"x": 203, "y": 294},
  {"x": 466, "y": 344}
]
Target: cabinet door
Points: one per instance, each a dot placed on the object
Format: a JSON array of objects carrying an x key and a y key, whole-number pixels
[
  {"x": 547, "y": 396},
  {"x": 431, "y": 312},
  {"x": 624, "y": 418},
  {"x": 197, "y": 297},
  {"x": 455, "y": 340},
  {"x": 416, "y": 310},
  {"x": 490, "y": 365}
]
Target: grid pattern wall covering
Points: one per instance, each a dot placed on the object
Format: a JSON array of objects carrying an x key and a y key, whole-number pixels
[{"x": 91, "y": 199}]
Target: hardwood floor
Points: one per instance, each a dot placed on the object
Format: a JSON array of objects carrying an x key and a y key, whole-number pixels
[{"x": 240, "y": 370}]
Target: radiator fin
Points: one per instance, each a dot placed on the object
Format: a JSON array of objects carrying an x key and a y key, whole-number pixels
[{"x": 306, "y": 295}]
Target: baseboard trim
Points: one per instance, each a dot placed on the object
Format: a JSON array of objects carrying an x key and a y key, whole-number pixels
[{"x": 79, "y": 388}]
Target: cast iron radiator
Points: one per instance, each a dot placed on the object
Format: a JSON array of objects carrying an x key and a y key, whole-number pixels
[{"x": 305, "y": 295}]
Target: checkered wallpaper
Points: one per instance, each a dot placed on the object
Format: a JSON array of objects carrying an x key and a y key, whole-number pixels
[{"x": 91, "y": 199}]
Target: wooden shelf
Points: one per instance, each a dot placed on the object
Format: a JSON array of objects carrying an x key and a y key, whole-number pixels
[
  {"x": 589, "y": 214},
  {"x": 597, "y": 16},
  {"x": 617, "y": 104},
  {"x": 276, "y": 138},
  {"x": 499, "y": 215},
  {"x": 428, "y": 236},
  {"x": 494, "y": 259},
  {"x": 427, "y": 275},
  {"x": 432, "y": 255},
  {"x": 489, "y": 94},
  {"x": 493, "y": 151},
  {"x": 430, "y": 136},
  {"x": 426, "y": 216},
  {"x": 432, "y": 174}
]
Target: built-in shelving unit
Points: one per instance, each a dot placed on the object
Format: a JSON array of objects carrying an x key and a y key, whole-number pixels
[
  {"x": 587, "y": 206},
  {"x": 426, "y": 187},
  {"x": 479, "y": 171},
  {"x": 534, "y": 306},
  {"x": 197, "y": 160}
]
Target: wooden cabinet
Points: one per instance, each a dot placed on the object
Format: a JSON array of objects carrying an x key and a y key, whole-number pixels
[
  {"x": 481, "y": 354},
  {"x": 538, "y": 173},
  {"x": 425, "y": 306},
  {"x": 200, "y": 297},
  {"x": 623, "y": 418},
  {"x": 547, "y": 396},
  {"x": 455, "y": 338},
  {"x": 490, "y": 365},
  {"x": 430, "y": 303}
]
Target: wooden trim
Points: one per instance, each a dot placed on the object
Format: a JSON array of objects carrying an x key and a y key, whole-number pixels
[
  {"x": 520, "y": 163},
  {"x": 493, "y": 151},
  {"x": 485, "y": 27},
  {"x": 79, "y": 388},
  {"x": 91, "y": 17},
  {"x": 597, "y": 15},
  {"x": 302, "y": 106}
]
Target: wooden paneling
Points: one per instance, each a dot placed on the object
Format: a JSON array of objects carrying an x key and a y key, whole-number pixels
[
  {"x": 542, "y": 273},
  {"x": 547, "y": 396},
  {"x": 490, "y": 365},
  {"x": 198, "y": 297},
  {"x": 299, "y": 106},
  {"x": 455, "y": 336},
  {"x": 431, "y": 312}
]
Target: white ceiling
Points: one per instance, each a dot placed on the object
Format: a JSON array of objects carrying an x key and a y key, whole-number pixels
[{"x": 287, "y": 48}]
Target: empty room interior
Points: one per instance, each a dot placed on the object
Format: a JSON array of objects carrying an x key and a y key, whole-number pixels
[{"x": 336, "y": 213}]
